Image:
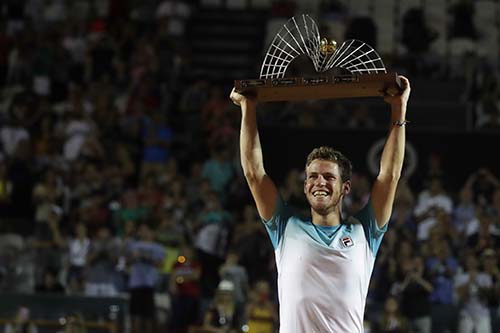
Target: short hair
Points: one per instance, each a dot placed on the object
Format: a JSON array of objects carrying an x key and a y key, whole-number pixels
[{"x": 330, "y": 154}]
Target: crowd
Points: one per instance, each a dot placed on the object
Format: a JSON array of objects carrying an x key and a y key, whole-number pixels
[{"x": 119, "y": 177}]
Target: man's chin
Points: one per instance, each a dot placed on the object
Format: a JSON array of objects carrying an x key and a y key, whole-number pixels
[{"x": 321, "y": 209}]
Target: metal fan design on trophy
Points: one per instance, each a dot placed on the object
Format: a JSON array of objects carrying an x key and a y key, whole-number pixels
[{"x": 300, "y": 36}]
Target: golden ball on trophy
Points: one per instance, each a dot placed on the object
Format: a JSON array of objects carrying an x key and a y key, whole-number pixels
[{"x": 328, "y": 47}]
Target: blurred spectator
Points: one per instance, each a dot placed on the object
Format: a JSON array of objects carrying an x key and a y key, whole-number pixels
[
  {"x": 293, "y": 189},
  {"x": 261, "y": 313},
  {"x": 442, "y": 267},
  {"x": 251, "y": 242},
  {"x": 491, "y": 266},
  {"x": 157, "y": 139},
  {"x": 78, "y": 250},
  {"x": 50, "y": 283},
  {"x": 185, "y": 291},
  {"x": 430, "y": 201},
  {"x": 392, "y": 320},
  {"x": 483, "y": 183},
  {"x": 21, "y": 323},
  {"x": 222, "y": 316},
  {"x": 218, "y": 170},
  {"x": 413, "y": 290},
  {"x": 473, "y": 288},
  {"x": 176, "y": 14},
  {"x": 211, "y": 243},
  {"x": 102, "y": 278},
  {"x": 74, "y": 323},
  {"x": 417, "y": 37},
  {"x": 231, "y": 270},
  {"x": 144, "y": 258},
  {"x": 465, "y": 211}
]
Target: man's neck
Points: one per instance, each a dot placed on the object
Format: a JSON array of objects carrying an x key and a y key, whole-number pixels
[{"x": 331, "y": 219}]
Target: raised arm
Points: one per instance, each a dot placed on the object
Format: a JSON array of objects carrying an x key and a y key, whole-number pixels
[
  {"x": 391, "y": 162},
  {"x": 262, "y": 187}
]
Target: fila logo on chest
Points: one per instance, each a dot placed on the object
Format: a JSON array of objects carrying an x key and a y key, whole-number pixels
[{"x": 347, "y": 241}]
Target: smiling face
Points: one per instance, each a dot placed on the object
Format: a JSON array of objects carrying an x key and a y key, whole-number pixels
[{"x": 324, "y": 188}]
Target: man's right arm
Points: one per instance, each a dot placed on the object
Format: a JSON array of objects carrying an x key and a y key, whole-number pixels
[{"x": 262, "y": 187}]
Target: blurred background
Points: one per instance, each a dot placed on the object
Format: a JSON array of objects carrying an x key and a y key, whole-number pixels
[{"x": 122, "y": 203}]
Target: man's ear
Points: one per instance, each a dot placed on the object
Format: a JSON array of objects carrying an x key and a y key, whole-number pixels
[
  {"x": 305, "y": 191},
  {"x": 346, "y": 187}
]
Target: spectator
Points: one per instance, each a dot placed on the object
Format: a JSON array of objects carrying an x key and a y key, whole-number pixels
[
  {"x": 211, "y": 242},
  {"x": 232, "y": 271},
  {"x": 473, "y": 288},
  {"x": 144, "y": 258},
  {"x": 261, "y": 312},
  {"x": 442, "y": 267},
  {"x": 218, "y": 170},
  {"x": 413, "y": 290},
  {"x": 430, "y": 201},
  {"x": 78, "y": 248},
  {"x": 490, "y": 264},
  {"x": 222, "y": 315},
  {"x": 102, "y": 278},
  {"x": 21, "y": 323},
  {"x": 392, "y": 320},
  {"x": 185, "y": 291},
  {"x": 50, "y": 283}
]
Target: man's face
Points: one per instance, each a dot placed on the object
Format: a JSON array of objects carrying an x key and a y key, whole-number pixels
[{"x": 323, "y": 186}]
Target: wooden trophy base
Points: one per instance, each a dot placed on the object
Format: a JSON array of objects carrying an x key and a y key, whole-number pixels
[{"x": 328, "y": 87}]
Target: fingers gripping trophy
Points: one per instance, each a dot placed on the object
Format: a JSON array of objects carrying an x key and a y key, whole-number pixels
[{"x": 367, "y": 75}]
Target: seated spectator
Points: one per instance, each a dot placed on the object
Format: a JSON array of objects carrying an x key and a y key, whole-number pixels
[
  {"x": 50, "y": 284},
  {"x": 222, "y": 315},
  {"x": 21, "y": 323},
  {"x": 261, "y": 313},
  {"x": 392, "y": 320}
]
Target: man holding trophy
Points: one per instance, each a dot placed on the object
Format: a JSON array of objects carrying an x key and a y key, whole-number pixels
[{"x": 324, "y": 263}]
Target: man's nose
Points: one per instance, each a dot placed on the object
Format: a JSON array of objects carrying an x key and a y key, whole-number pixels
[{"x": 320, "y": 180}]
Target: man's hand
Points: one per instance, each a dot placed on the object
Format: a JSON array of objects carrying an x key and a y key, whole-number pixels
[
  {"x": 400, "y": 100},
  {"x": 242, "y": 100}
]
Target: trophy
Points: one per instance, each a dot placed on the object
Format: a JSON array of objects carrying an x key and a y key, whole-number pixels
[{"x": 361, "y": 70}]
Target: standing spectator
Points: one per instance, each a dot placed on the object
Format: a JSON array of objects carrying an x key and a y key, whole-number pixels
[
  {"x": 252, "y": 245},
  {"x": 491, "y": 266},
  {"x": 232, "y": 271},
  {"x": 78, "y": 251},
  {"x": 442, "y": 267},
  {"x": 473, "y": 288},
  {"x": 145, "y": 256},
  {"x": 218, "y": 170},
  {"x": 430, "y": 201},
  {"x": 185, "y": 291},
  {"x": 413, "y": 290},
  {"x": 211, "y": 243},
  {"x": 102, "y": 278}
]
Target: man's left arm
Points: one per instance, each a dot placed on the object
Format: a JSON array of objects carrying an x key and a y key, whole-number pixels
[{"x": 391, "y": 162}]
